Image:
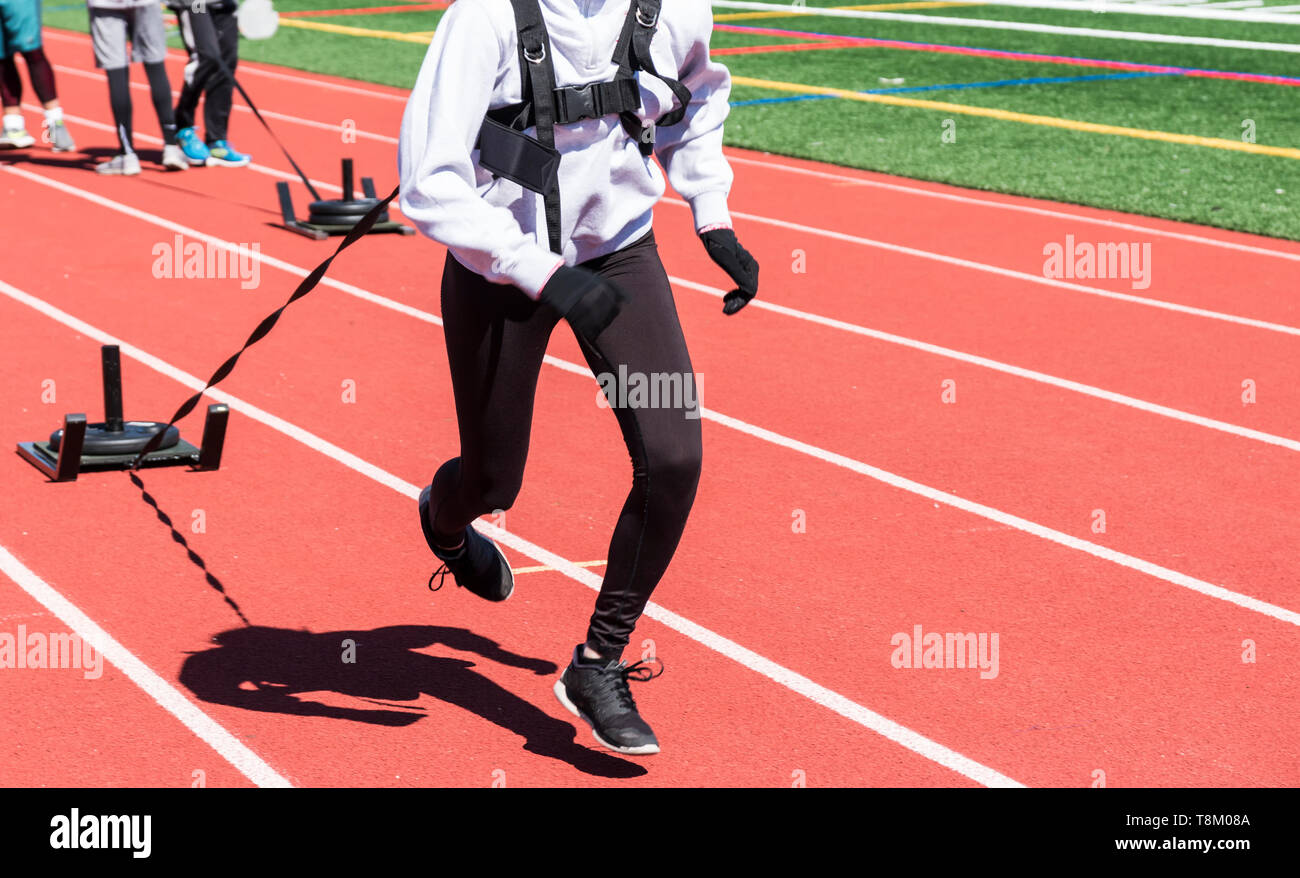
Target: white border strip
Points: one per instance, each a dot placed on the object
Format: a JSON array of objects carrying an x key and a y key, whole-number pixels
[
  {"x": 1209, "y": 11},
  {"x": 230, "y": 748},
  {"x": 1024, "y": 26}
]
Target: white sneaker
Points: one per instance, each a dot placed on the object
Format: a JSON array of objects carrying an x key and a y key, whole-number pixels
[
  {"x": 56, "y": 134},
  {"x": 173, "y": 158},
  {"x": 16, "y": 138},
  {"x": 126, "y": 165}
]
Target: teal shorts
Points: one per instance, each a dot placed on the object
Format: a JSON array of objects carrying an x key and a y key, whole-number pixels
[{"x": 20, "y": 26}]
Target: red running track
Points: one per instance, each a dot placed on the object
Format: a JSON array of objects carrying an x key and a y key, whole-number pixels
[{"x": 1134, "y": 672}]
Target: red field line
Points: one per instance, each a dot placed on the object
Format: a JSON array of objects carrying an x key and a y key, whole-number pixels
[{"x": 784, "y": 47}]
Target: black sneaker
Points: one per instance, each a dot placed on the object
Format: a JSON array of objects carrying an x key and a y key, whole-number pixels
[
  {"x": 597, "y": 693},
  {"x": 478, "y": 565}
]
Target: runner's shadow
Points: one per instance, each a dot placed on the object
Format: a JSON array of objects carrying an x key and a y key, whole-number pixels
[{"x": 265, "y": 669}]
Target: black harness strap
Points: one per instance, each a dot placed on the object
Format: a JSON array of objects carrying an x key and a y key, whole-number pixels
[
  {"x": 647, "y": 20},
  {"x": 538, "y": 73},
  {"x": 506, "y": 151},
  {"x": 633, "y": 53},
  {"x": 575, "y": 103}
]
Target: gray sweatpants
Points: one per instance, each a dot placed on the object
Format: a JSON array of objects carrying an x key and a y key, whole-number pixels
[{"x": 111, "y": 28}]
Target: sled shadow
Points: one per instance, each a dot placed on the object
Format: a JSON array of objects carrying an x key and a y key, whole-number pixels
[{"x": 264, "y": 669}]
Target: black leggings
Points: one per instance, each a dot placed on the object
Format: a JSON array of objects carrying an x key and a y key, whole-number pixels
[
  {"x": 119, "y": 99},
  {"x": 203, "y": 78},
  {"x": 496, "y": 339},
  {"x": 38, "y": 68}
]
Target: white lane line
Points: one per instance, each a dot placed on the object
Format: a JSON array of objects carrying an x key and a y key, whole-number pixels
[
  {"x": 852, "y": 239},
  {"x": 1012, "y": 273},
  {"x": 249, "y": 67},
  {"x": 1171, "y": 576},
  {"x": 1023, "y": 26},
  {"x": 212, "y": 733},
  {"x": 1009, "y": 369},
  {"x": 150, "y": 138},
  {"x": 796, "y": 682},
  {"x": 270, "y": 114},
  {"x": 1184, "y": 9},
  {"x": 778, "y": 165},
  {"x": 1021, "y": 208},
  {"x": 774, "y": 163},
  {"x": 831, "y": 323}
]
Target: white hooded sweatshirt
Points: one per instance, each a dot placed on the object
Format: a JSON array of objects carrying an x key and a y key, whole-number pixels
[{"x": 608, "y": 189}]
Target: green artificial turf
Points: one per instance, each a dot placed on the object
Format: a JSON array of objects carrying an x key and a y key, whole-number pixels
[{"x": 1255, "y": 193}]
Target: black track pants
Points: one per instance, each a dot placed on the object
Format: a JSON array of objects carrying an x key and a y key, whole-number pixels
[
  {"x": 203, "y": 78},
  {"x": 496, "y": 339}
]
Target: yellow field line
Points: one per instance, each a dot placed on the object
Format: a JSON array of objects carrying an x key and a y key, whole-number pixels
[
  {"x": 1024, "y": 118},
  {"x": 544, "y": 569},
  {"x": 423, "y": 38},
  {"x": 870, "y": 7}
]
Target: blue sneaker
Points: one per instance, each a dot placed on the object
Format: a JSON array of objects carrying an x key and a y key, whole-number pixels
[
  {"x": 196, "y": 151},
  {"x": 222, "y": 154}
]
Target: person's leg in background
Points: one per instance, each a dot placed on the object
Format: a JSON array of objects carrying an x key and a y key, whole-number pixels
[
  {"x": 15, "y": 134},
  {"x": 149, "y": 45},
  {"x": 20, "y": 32},
  {"x": 42, "y": 76},
  {"x": 663, "y": 438},
  {"x": 219, "y": 91},
  {"x": 195, "y": 79},
  {"x": 109, "y": 31}
]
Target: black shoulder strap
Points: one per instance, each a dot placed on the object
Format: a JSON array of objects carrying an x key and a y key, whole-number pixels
[
  {"x": 633, "y": 53},
  {"x": 647, "y": 20},
  {"x": 538, "y": 73}
]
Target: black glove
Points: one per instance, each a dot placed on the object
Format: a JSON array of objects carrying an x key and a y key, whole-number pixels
[
  {"x": 588, "y": 301},
  {"x": 725, "y": 250}
]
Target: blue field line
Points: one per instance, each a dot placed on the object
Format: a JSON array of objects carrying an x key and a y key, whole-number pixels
[{"x": 997, "y": 83}]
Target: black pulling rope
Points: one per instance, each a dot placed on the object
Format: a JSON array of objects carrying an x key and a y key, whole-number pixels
[
  {"x": 308, "y": 284},
  {"x": 205, "y": 38}
]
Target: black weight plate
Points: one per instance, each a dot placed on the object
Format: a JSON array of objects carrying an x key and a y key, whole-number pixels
[
  {"x": 358, "y": 208},
  {"x": 341, "y": 221},
  {"x": 133, "y": 436}
]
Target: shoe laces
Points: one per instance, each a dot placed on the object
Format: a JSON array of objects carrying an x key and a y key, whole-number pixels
[
  {"x": 441, "y": 575},
  {"x": 618, "y": 676}
]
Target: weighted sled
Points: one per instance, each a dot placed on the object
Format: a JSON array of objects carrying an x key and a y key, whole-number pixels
[{"x": 133, "y": 436}]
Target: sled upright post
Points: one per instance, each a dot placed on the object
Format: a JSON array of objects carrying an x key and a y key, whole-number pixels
[
  {"x": 338, "y": 217},
  {"x": 114, "y": 443}
]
